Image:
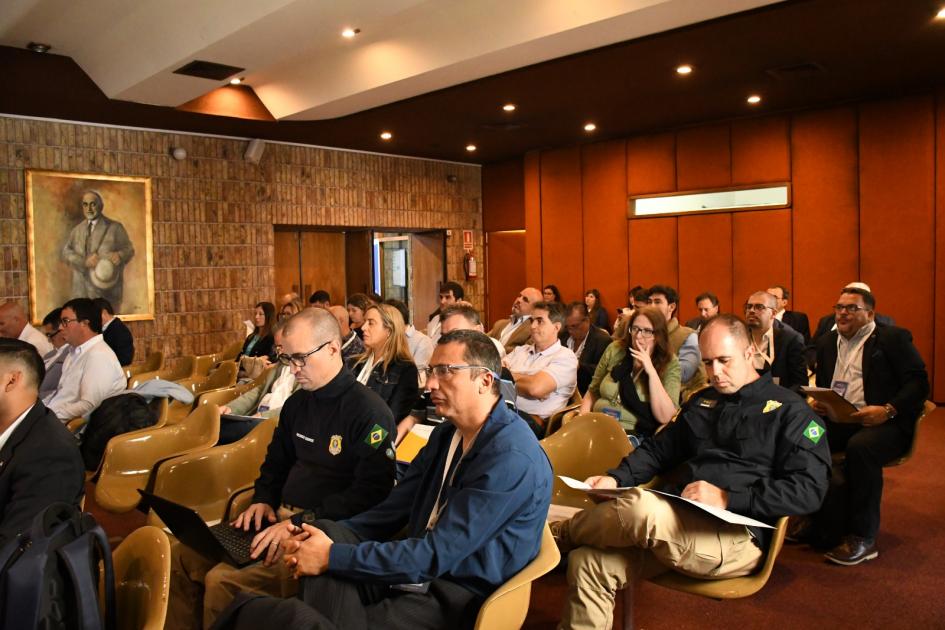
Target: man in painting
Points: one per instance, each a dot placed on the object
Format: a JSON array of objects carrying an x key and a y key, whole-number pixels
[{"x": 97, "y": 250}]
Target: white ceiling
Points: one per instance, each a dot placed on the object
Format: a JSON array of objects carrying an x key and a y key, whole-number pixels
[{"x": 299, "y": 64}]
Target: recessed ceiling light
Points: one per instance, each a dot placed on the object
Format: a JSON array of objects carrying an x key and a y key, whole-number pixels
[
  {"x": 236, "y": 80},
  {"x": 38, "y": 47},
  {"x": 754, "y": 99},
  {"x": 941, "y": 14},
  {"x": 350, "y": 32},
  {"x": 590, "y": 127},
  {"x": 509, "y": 107},
  {"x": 684, "y": 69},
  {"x": 470, "y": 147},
  {"x": 386, "y": 135}
]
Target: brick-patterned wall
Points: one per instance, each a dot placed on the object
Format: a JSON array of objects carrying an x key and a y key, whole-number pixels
[{"x": 213, "y": 214}]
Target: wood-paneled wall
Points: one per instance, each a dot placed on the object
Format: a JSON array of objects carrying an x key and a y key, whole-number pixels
[
  {"x": 213, "y": 214},
  {"x": 868, "y": 186}
]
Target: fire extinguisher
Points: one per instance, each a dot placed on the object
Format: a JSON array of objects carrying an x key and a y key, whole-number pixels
[{"x": 470, "y": 267}]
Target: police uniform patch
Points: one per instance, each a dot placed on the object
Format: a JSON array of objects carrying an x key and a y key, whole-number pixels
[
  {"x": 708, "y": 403},
  {"x": 334, "y": 445},
  {"x": 375, "y": 436},
  {"x": 814, "y": 432},
  {"x": 771, "y": 405}
]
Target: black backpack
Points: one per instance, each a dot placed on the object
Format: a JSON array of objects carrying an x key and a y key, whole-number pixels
[
  {"x": 116, "y": 415},
  {"x": 49, "y": 575}
]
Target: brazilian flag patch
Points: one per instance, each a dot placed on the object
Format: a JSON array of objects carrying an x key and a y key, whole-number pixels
[
  {"x": 375, "y": 436},
  {"x": 814, "y": 432}
]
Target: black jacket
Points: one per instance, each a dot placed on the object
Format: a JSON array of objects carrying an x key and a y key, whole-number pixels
[
  {"x": 893, "y": 372},
  {"x": 799, "y": 322},
  {"x": 263, "y": 347},
  {"x": 39, "y": 465},
  {"x": 331, "y": 452},
  {"x": 789, "y": 365},
  {"x": 119, "y": 339},
  {"x": 597, "y": 342},
  {"x": 763, "y": 445},
  {"x": 398, "y": 387}
]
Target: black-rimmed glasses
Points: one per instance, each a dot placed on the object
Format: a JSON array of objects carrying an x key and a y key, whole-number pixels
[
  {"x": 445, "y": 370},
  {"x": 849, "y": 308},
  {"x": 298, "y": 359},
  {"x": 757, "y": 307}
]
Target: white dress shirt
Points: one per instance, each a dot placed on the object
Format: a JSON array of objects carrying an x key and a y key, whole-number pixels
[
  {"x": 434, "y": 328},
  {"x": 557, "y": 362},
  {"x": 10, "y": 429},
  {"x": 91, "y": 373},
  {"x": 849, "y": 366},
  {"x": 421, "y": 347},
  {"x": 37, "y": 338}
]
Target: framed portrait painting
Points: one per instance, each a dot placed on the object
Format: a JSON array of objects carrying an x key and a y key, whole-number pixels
[{"x": 89, "y": 236}]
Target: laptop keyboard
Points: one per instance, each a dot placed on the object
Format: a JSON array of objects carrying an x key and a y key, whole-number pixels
[{"x": 237, "y": 542}]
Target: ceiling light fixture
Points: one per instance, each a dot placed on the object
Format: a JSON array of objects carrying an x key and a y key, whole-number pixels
[
  {"x": 509, "y": 107},
  {"x": 590, "y": 127},
  {"x": 38, "y": 47},
  {"x": 386, "y": 135},
  {"x": 684, "y": 69},
  {"x": 941, "y": 14},
  {"x": 350, "y": 32},
  {"x": 470, "y": 147},
  {"x": 236, "y": 80},
  {"x": 754, "y": 99}
]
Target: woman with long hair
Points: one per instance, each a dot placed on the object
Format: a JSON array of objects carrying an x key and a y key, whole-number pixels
[
  {"x": 551, "y": 294},
  {"x": 259, "y": 342},
  {"x": 289, "y": 309},
  {"x": 596, "y": 310},
  {"x": 386, "y": 366},
  {"x": 357, "y": 305},
  {"x": 637, "y": 379}
]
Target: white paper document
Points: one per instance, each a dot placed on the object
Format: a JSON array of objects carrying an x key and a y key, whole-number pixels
[{"x": 725, "y": 515}]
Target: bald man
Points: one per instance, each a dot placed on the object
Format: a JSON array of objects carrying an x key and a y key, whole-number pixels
[
  {"x": 515, "y": 331},
  {"x": 14, "y": 324},
  {"x": 351, "y": 344}
]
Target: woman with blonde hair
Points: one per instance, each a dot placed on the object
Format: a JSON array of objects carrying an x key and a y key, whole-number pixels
[{"x": 386, "y": 365}]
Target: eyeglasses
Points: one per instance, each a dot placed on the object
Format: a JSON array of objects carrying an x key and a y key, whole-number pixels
[
  {"x": 447, "y": 370},
  {"x": 50, "y": 335},
  {"x": 849, "y": 308},
  {"x": 646, "y": 333},
  {"x": 65, "y": 321},
  {"x": 298, "y": 360},
  {"x": 758, "y": 308}
]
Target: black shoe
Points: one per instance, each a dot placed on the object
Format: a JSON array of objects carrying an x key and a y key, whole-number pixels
[{"x": 852, "y": 551}]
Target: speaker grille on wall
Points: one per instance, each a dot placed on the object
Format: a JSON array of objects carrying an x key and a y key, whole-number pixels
[{"x": 254, "y": 151}]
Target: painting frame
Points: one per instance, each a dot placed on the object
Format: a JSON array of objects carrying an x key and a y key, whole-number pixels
[{"x": 54, "y": 200}]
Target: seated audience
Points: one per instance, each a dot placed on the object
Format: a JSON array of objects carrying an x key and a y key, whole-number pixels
[
  {"x": 91, "y": 372},
  {"x": 115, "y": 333},
  {"x": 40, "y": 462},
  {"x": 450, "y": 293},
  {"x": 587, "y": 342},
  {"x": 357, "y": 304},
  {"x": 795, "y": 319},
  {"x": 420, "y": 346},
  {"x": 289, "y": 309},
  {"x": 351, "y": 344},
  {"x": 429, "y": 555},
  {"x": 637, "y": 300},
  {"x": 828, "y": 323},
  {"x": 544, "y": 371},
  {"x": 746, "y": 445},
  {"x": 54, "y": 359},
  {"x": 775, "y": 347},
  {"x": 682, "y": 339},
  {"x": 259, "y": 342},
  {"x": 550, "y": 293},
  {"x": 637, "y": 379},
  {"x": 386, "y": 366},
  {"x": 515, "y": 331},
  {"x": 14, "y": 325},
  {"x": 708, "y": 306},
  {"x": 878, "y": 369},
  {"x": 263, "y": 401},
  {"x": 320, "y": 299},
  {"x": 330, "y": 457},
  {"x": 596, "y": 310}
]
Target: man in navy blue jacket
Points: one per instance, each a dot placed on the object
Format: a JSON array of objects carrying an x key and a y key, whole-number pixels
[{"x": 473, "y": 502}]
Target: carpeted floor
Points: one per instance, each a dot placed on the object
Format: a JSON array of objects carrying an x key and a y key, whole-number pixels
[{"x": 903, "y": 588}]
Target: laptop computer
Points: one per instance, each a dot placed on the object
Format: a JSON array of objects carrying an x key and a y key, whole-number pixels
[{"x": 221, "y": 542}]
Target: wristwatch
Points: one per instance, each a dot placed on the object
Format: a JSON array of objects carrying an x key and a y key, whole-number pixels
[{"x": 890, "y": 411}]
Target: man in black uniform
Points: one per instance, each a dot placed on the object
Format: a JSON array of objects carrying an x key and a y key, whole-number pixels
[
  {"x": 330, "y": 457},
  {"x": 746, "y": 445}
]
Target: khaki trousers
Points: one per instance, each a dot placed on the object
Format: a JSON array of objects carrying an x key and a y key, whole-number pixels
[
  {"x": 201, "y": 589},
  {"x": 640, "y": 535}
]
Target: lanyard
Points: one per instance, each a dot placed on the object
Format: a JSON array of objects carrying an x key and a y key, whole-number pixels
[
  {"x": 840, "y": 370},
  {"x": 454, "y": 446}
]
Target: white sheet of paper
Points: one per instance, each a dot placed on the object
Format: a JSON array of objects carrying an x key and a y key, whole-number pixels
[
  {"x": 422, "y": 430},
  {"x": 725, "y": 515},
  {"x": 600, "y": 492}
]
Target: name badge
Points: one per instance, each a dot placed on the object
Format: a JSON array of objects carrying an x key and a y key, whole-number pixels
[
  {"x": 613, "y": 413},
  {"x": 708, "y": 403},
  {"x": 840, "y": 387}
]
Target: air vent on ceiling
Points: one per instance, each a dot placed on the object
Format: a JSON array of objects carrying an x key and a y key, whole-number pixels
[
  {"x": 804, "y": 70},
  {"x": 208, "y": 70}
]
